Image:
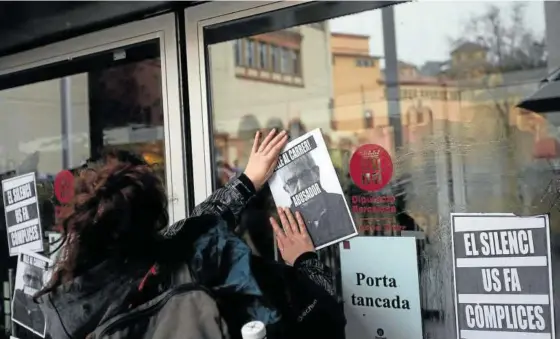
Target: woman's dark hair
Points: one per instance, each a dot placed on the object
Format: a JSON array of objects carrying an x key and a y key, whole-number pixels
[{"x": 118, "y": 211}]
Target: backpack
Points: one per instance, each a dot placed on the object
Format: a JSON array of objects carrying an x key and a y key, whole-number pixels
[{"x": 186, "y": 311}]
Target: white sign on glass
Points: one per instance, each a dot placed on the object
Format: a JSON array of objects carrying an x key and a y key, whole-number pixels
[
  {"x": 380, "y": 287},
  {"x": 21, "y": 210},
  {"x": 503, "y": 276}
]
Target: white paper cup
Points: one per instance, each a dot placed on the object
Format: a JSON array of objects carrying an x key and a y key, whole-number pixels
[{"x": 254, "y": 330}]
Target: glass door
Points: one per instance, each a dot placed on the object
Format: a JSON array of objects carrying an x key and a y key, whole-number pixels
[
  {"x": 439, "y": 99},
  {"x": 65, "y": 104}
]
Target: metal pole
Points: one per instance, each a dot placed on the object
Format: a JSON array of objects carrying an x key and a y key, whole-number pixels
[
  {"x": 392, "y": 74},
  {"x": 11, "y": 285},
  {"x": 66, "y": 121},
  {"x": 551, "y": 11},
  {"x": 6, "y": 305}
]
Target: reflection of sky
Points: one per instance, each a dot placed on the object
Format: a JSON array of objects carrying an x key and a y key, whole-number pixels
[{"x": 424, "y": 29}]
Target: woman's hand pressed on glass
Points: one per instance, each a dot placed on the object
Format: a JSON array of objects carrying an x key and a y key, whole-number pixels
[
  {"x": 292, "y": 238},
  {"x": 264, "y": 157}
]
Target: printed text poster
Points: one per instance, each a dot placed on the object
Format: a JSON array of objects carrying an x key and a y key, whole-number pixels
[
  {"x": 503, "y": 285},
  {"x": 305, "y": 181},
  {"x": 21, "y": 209},
  {"x": 380, "y": 287}
]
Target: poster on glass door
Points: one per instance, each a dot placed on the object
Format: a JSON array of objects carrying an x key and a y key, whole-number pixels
[
  {"x": 305, "y": 181},
  {"x": 33, "y": 272},
  {"x": 21, "y": 210},
  {"x": 503, "y": 280},
  {"x": 380, "y": 287}
]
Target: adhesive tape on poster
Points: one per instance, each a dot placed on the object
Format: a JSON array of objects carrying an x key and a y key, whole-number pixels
[{"x": 254, "y": 330}]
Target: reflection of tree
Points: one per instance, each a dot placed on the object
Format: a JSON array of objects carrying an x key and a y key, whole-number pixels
[
  {"x": 496, "y": 52},
  {"x": 506, "y": 45},
  {"x": 510, "y": 44}
]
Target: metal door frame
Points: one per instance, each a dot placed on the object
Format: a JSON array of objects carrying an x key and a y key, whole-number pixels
[{"x": 161, "y": 28}]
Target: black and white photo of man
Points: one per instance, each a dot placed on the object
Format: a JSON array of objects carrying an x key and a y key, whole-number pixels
[
  {"x": 25, "y": 311},
  {"x": 326, "y": 214}
]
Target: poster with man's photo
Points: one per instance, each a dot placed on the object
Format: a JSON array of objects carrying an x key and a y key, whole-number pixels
[
  {"x": 305, "y": 181},
  {"x": 33, "y": 271}
]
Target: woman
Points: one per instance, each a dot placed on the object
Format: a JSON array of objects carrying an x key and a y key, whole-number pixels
[{"x": 112, "y": 237}]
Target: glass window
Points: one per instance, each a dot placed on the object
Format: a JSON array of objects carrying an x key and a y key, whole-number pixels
[
  {"x": 238, "y": 51},
  {"x": 58, "y": 124},
  {"x": 278, "y": 53},
  {"x": 275, "y": 54},
  {"x": 272, "y": 56},
  {"x": 295, "y": 62},
  {"x": 250, "y": 53},
  {"x": 285, "y": 61},
  {"x": 445, "y": 111},
  {"x": 368, "y": 119},
  {"x": 361, "y": 62},
  {"x": 263, "y": 55}
]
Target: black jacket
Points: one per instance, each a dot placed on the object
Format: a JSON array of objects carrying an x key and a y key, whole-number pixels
[{"x": 305, "y": 296}]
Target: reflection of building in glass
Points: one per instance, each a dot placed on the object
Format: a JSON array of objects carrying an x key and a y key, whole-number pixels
[
  {"x": 275, "y": 78},
  {"x": 465, "y": 104},
  {"x": 357, "y": 91},
  {"x": 359, "y": 107}
]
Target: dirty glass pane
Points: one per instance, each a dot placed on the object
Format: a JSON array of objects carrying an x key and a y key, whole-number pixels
[
  {"x": 466, "y": 146},
  {"x": 436, "y": 85}
]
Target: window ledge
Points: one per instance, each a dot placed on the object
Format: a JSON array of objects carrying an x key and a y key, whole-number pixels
[{"x": 269, "y": 77}]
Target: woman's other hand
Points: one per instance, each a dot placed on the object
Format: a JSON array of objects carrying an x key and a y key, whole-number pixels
[
  {"x": 293, "y": 239},
  {"x": 264, "y": 157}
]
